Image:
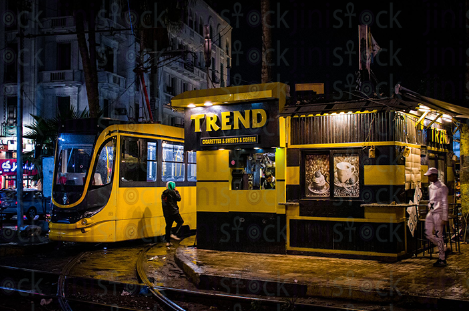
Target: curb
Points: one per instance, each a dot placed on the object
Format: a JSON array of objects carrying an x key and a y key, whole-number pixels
[{"x": 244, "y": 285}]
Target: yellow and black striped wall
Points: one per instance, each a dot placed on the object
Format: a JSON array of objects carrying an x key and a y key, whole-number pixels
[{"x": 337, "y": 226}]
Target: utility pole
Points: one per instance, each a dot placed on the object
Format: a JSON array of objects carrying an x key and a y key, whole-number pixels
[
  {"x": 266, "y": 71},
  {"x": 19, "y": 126}
]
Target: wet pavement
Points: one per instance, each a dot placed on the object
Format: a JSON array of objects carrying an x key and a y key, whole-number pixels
[{"x": 411, "y": 280}]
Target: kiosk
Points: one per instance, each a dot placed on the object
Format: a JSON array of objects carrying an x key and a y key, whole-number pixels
[{"x": 330, "y": 178}]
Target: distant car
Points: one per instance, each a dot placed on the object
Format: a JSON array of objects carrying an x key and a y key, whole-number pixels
[{"x": 33, "y": 203}]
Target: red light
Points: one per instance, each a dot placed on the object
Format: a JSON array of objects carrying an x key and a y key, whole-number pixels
[{"x": 16, "y": 203}]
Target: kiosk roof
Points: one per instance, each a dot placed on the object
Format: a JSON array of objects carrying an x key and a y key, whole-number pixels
[{"x": 233, "y": 95}]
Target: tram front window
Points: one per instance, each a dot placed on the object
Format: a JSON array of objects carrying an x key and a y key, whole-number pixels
[{"x": 72, "y": 163}]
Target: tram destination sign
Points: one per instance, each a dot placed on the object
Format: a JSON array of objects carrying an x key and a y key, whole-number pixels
[{"x": 229, "y": 140}]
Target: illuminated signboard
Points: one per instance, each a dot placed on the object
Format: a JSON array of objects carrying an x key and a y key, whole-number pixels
[
  {"x": 251, "y": 124},
  {"x": 229, "y": 140},
  {"x": 438, "y": 136},
  {"x": 9, "y": 166}
]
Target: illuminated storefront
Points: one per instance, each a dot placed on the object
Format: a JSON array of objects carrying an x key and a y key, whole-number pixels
[
  {"x": 330, "y": 178},
  {"x": 8, "y": 164}
]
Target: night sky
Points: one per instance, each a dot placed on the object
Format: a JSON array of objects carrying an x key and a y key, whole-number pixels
[{"x": 317, "y": 41}]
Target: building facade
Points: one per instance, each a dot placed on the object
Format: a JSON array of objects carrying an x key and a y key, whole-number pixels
[{"x": 53, "y": 76}]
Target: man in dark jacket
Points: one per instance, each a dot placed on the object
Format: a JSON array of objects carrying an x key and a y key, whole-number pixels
[{"x": 169, "y": 200}]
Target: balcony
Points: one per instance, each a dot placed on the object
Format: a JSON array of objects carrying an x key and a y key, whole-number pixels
[
  {"x": 58, "y": 24},
  {"x": 187, "y": 68},
  {"x": 111, "y": 80},
  {"x": 61, "y": 77}
]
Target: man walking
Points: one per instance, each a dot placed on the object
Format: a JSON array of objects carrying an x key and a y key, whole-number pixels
[
  {"x": 169, "y": 200},
  {"x": 437, "y": 215}
]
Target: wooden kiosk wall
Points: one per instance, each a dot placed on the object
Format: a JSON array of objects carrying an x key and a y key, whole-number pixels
[{"x": 343, "y": 226}]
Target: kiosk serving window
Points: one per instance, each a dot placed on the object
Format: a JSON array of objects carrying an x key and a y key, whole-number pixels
[
  {"x": 252, "y": 170},
  {"x": 173, "y": 162}
]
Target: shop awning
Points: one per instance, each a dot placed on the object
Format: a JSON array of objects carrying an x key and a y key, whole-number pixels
[
  {"x": 407, "y": 96},
  {"x": 403, "y": 100},
  {"x": 232, "y": 95}
]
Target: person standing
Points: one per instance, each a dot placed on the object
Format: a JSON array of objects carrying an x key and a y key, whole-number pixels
[
  {"x": 437, "y": 216},
  {"x": 169, "y": 199}
]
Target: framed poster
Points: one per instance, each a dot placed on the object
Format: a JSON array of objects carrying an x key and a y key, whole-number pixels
[
  {"x": 317, "y": 175},
  {"x": 346, "y": 175}
]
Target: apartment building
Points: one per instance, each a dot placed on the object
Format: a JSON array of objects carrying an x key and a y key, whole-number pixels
[{"x": 53, "y": 71}]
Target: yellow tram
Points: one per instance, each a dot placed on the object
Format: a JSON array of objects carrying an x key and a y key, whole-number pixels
[{"x": 108, "y": 180}]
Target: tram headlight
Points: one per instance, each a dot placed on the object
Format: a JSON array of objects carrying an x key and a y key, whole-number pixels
[{"x": 84, "y": 222}]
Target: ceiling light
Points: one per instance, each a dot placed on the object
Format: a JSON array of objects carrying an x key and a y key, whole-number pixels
[
  {"x": 447, "y": 118},
  {"x": 191, "y": 105},
  {"x": 424, "y": 108},
  {"x": 208, "y": 104}
]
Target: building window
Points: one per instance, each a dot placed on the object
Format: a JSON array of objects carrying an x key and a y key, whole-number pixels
[
  {"x": 12, "y": 7},
  {"x": 64, "y": 8},
  {"x": 222, "y": 75},
  {"x": 201, "y": 27},
  {"x": 12, "y": 103},
  {"x": 106, "y": 108},
  {"x": 105, "y": 57},
  {"x": 138, "y": 162},
  {"x": 173, "y": 162},
  {"x": 191, "y": 21},
  {"x": 63, "y": 105},
  {"x": 64, "y": 56},
  {"x": 10, "y": 64},
  {"x": 227, "y": 48},
  {"x": 191, "y": 166}
]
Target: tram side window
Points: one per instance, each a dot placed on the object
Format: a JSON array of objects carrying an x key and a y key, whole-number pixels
[
  {"x": 138, "y": 160},
  {"x": 105, "y": 164},
  {"x": 173, "y": 162},
  {"x": 191, "y": 166},
  {"x": 151, "y": 161}
]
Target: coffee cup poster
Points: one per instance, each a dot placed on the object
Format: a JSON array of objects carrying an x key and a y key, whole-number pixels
[
  {"x": 346, "y": 181},
  {"x": 317, "y": 175}
]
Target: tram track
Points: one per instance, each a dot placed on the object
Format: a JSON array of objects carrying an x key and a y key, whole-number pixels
[{"x": 176, "y": 296}]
